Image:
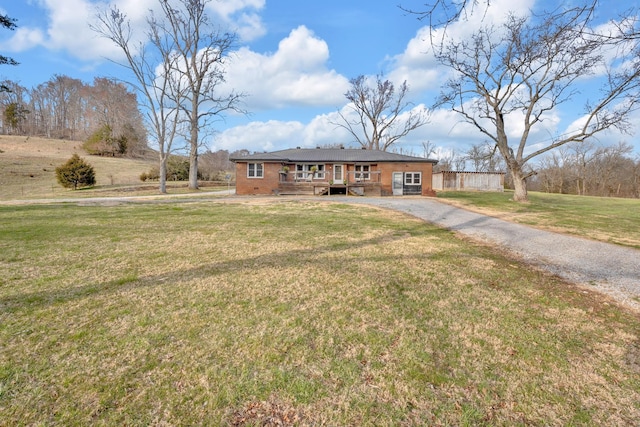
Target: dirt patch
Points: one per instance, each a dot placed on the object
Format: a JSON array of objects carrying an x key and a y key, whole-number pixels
[{"x": 270, "y": 413}]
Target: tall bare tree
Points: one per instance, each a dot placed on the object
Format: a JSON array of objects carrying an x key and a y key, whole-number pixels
[
  {"x": 383, "y": 114},
  {"x": 552, "y": 176},
  {"x": 151, "y": 62},
  {"x": 112, "y": 105},
  {"x": 201, "y": 52},
  {"x": 66, "y": 106},
  {"x": 528, "y": 67}
]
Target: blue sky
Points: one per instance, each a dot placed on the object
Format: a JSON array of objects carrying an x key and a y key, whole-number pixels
[{"x": 294, "y": 59}]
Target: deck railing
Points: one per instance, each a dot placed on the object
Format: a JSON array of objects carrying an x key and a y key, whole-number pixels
[
  {"x": 353, "y": 177},
  {"x": 364, "y": 177},
  {"x": 307, "y": 176}
]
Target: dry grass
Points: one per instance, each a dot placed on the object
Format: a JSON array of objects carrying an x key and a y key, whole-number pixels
[
  {"x": 612, "y": 220},
  {"x": 27, "y": 167},
  {"x": 293, "y": 313}
]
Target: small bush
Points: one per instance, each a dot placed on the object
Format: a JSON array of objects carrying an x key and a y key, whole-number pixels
[
  {"x": 76, "y": 173},
  {"x": 104, "y": 143}
]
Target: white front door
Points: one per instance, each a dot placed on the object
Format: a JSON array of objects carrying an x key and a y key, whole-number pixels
[
  {"x": 338, "y": 174},
  {"x": 398, "y": 181}
]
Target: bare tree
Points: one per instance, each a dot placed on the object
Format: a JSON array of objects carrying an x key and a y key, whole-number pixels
[
  {"x": 578, "y": 164},
  {"x": 612, "y": 168},
  {"x": 553, "y": 176},
  {"x": 152, "y": 63},
  {"x": 485, "y": 158},
  {"x": 526, "y": 68},
  {"x": 215, "y": 166},
  {"x": 201, "y": 53},
  {"x": 111, "y": 103},
  {"x": 587, "y": 169},
  {"x": 42, "y": 109},
  {"x": 428, "y": 149},
  {"x": 442, "y": 13},
  {"x": 383, "y": 115},
  {"x": 65, "y": 96},
  {"x": 450, "y": 160},
  {"x": 64, "y": 107}
]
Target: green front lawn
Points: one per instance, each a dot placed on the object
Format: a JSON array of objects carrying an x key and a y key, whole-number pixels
[{"x": 244, "y": 313}]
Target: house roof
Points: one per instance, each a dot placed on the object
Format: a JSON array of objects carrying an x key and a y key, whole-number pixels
[{"x": 330, "y": 155}]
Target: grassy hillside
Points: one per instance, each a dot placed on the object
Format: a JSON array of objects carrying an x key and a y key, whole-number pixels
[{"x": 27, "y": 167}]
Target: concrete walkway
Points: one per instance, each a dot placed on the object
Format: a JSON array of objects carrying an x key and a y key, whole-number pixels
[{"x": 607, "y": 268}]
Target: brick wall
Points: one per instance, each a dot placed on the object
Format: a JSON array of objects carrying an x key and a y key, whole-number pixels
[
  {"x": 257, "y": 186},
  {"x": 387, "y": 170},
  {"x": 269, "y": 182}
]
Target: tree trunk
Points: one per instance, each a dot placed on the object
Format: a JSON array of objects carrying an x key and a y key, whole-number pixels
[
  {"x": 193, "y": 168},
  {"x": 163, "y": 174},
  {"x": 520, "y": 186},
  {"x": 193, "y": 143}
]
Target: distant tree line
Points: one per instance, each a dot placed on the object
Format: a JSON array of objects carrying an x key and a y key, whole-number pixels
[
  {"x": 590, "y": 170},
  {"x": 584, "y": 168},
  {"x": 214, "y": 166},
  {"x": 67, "y": 108}
]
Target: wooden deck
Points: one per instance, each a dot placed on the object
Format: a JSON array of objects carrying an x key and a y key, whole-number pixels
[{"x": 324, "y": 188}]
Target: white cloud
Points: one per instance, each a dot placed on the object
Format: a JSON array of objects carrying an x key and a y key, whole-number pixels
[
  {"x": 260, "y": 136},
  {"x": 241, "y": 16},
  {"x": 418, "y": 65},
  {"x": 296, "y": 74},
  {"x": 69, "y": 30},
  {"x": 274, "y": 135},
  {"x": 227, "y": 8},
  {"x": 322, "y": 131},
  {"x": 249, "y": 27},
  {"x": 24, "y": 39},
  {"x": 136, "y": 10},
  {"x": 69, "y": 22}
]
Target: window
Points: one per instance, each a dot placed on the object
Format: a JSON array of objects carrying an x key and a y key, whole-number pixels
[
  {"x": 255, "y": 170},
  {"x": 362, "y": 172},
  {"x": 304, "y": 171},
  {"x": 412, "y": 178}
]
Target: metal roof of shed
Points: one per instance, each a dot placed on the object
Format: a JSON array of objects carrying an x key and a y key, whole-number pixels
[{"x": 330, "y": 155}]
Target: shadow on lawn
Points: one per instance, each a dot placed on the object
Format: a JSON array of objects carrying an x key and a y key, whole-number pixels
[{"x": 14, "y": 303}]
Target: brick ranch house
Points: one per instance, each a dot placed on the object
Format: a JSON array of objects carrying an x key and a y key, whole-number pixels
[{"x": 321, "y": 171}]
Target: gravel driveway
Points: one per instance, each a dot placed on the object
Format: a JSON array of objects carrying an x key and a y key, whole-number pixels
[{"x": 610, "y": 269}]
